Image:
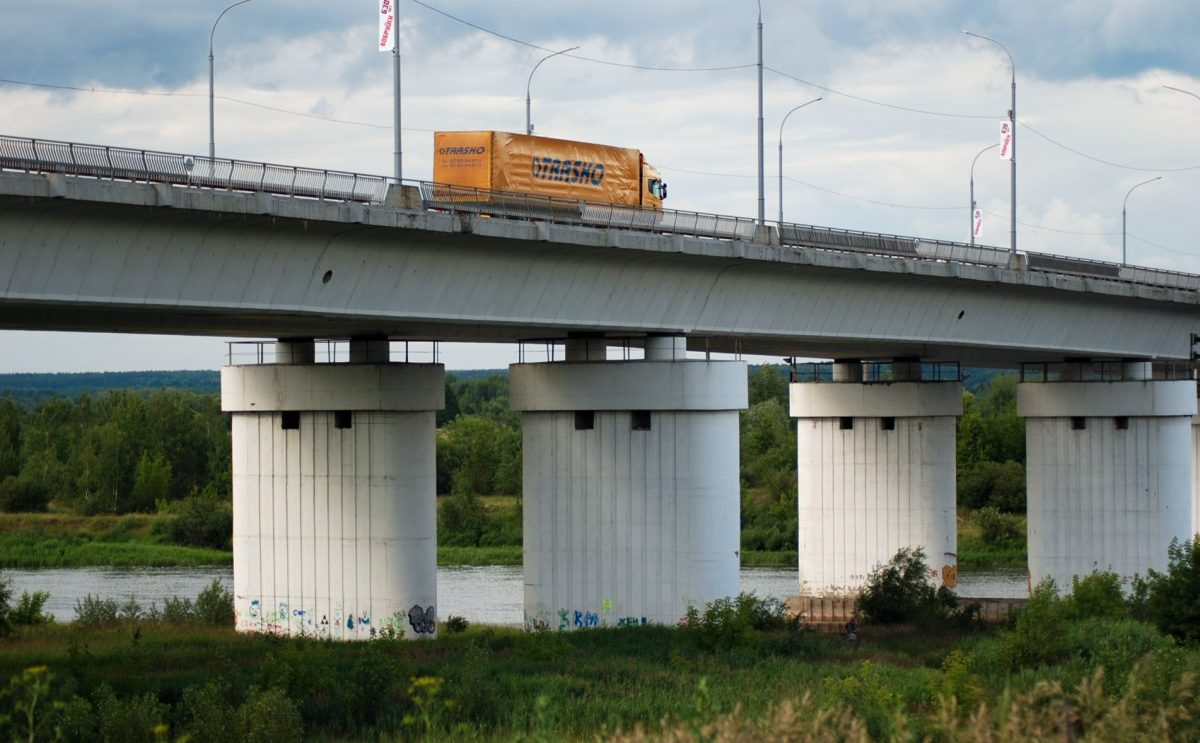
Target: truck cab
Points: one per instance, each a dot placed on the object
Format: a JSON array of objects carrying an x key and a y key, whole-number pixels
[{"x": 654, "y": 189}]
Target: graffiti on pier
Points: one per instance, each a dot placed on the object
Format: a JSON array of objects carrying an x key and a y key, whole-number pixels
[
  {"x": 562, "y": 619},
  {"x": 255, "y": 608},
  {"x": 631, "y": 622},
  {"x": 423, "y": 621},
  {"x": 586, "y": 619}
]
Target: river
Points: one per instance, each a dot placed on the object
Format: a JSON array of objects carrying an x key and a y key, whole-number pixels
[{"x": 483, "y": 595}]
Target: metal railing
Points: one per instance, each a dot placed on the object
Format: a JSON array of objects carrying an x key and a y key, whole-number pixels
[
  {"x": 511, "y": 205},
  {"x": 880, "y": 372},
  {"x": 1102, "y": 370},
  {"x": 100, "y": 161},
  {"x": 330, "y": 351}
]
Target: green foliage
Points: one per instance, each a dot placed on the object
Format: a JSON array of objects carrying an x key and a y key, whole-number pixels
[
  {"x": 865, "y": 693},
  {"x": 456, "y": 624},
  {"x": 987, "y": 484},
  {"x": 214, "y": 605},
  {"x": 898, "y": 591},
  {"x": 29, "y": 707},
  {"x": 1039, "y": 634},
  {"x": 151, "y": 482},
  {"x": 94, "y": 611},
  {"x": 733, "y": 622},
  {"x": 997, "y": 529},
  {"x": 207, "y": 714},
  {"x": 1173, "y": 602},
  {"x": 23, "y": 495},
  {"x": 768, "y": 382},
  {"x": 462, "y": 520},
  {"x": 29, "y": 610},
  {"x": 1097, "y": 595},
  {"x": 130, "y": 719},
  {"x": 199, "y": 521}
]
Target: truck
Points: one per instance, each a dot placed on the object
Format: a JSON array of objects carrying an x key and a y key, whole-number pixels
[{"x": 543, "y": 166}]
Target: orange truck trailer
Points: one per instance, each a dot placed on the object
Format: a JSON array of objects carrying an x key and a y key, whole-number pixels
[{"x": 561, "y": 168}]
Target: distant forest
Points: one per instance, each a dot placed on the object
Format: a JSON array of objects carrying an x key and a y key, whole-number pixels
[{"x": 28, "y": 390}]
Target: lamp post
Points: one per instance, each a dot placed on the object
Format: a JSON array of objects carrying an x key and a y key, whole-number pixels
[
  {"x": 985, "y": 149},
  {"x": 1012, "y": 121},
  {"x": 762, "y": 198},
  {"x": 1123, "y": 205},
  {"x": 785, "y": 118},
  {"x": 528, "y": 101},
  {"x": 212, "y": 143}
]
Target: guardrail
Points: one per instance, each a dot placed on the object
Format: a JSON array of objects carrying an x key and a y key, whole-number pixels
[
  {"x": 44, "y": 155},
  {"x": 101, "y": 161},
  {"x": 467, "y": 200},
  {"x": 880, "y": 372},
  {"x": 330, "y": 351}
]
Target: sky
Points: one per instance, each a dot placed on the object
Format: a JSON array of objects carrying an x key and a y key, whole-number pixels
[{"x": 908, "y": 101}]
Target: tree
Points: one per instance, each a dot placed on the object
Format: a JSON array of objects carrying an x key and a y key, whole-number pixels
[
  {"x": 768, "y": 382},
  {"x": 1174, "y": 600},
  {"x": 151, "y": 483},
  {"x": 10, "y": 438}
]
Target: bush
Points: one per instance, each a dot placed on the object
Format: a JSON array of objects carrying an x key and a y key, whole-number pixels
[
  {"x": 456, "y": 624},
  {"x": 23, "y": 495},
  {"x": 199, "y": 521},
  {"x": 462, "y": 520},
  {"x": 1000, "y": 485},
  {"x": 1173, "y": 603},
  {"x": 214, "y": 605},
  {"x": 93, "y": 611},
  {"x": 269, "y": 716},
  {"x": 208, "y": 716},
  {"x": 29, "y": 610},
  {"x": 1097, "y": 595},
  {"x": 132, "y": 719},
  {"x": 995, "y": 528},
  {"x": 5, "y": 598},
  {"x": 1039, "y": 634},
  {"x": 899, "y": 591},
  {"x": 728, "y": 623}
]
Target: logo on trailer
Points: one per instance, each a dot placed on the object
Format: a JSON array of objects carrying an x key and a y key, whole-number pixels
[
  {"x": 568, "y": 171},
  {"x": 461, "y": 150}
]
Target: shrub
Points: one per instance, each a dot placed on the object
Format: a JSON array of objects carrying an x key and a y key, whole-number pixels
[
  {"x": 899, "y": 591},
  {"x": 177, "y": 610},
  {"x": 1039, "y": 634},
  {"x": 132, "y": 719},
  {"x": 1097, "y": 595},
  {"x": 462, "y": 520},
  {"x": 5, "y": 599},
  {"x": 997, "y": 529},
  {"x": 1173, "y": 603},
  {"x": 456, "y": 624},
  {"x": 29, "y": 610},
  {"x": 199, "y": 521},
  {"x": 22, "y": 495},
  {"x": 866, "y": 694},
  {"x": 731, "y": 622},
  {"x": 207, "y": 715},
  {"x": 214, "y": 605},
  {"x": 1000, "y": 485},
  {"x": 93, "y": 611},
  {"x": 269, "y": 716}
]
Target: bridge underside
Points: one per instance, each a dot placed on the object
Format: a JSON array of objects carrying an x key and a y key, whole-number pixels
[{"x": 88, "y": 255}]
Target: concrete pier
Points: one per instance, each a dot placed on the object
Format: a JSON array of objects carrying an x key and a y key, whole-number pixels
[
  {"x": 334, "y": 520},
  {"x": 875, "y": 473},
  {"x": 1109, "y": 471},
  {"x": 631, "y": 485}
]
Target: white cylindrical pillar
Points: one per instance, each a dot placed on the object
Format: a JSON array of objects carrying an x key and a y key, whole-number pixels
[
  {"x": 586, "y": 349},
  {"x": 666, "y": 348},
  {"x": 334, "y": 503},
  {"x": 1108, "y": 475},
  {"x": 631, "y": 489},
  {"x": 295, "y": 351},
  {"x": 876, "y": 473}
]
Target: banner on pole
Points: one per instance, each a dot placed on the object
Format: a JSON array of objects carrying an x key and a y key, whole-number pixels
[
  {"x": 387, "y": 25},
  {"x": 977, "y": 223},
  {"x": 1005, "y": 138}
]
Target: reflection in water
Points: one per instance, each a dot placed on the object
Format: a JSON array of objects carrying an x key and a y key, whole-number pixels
[{"x": 488, "y": 595}]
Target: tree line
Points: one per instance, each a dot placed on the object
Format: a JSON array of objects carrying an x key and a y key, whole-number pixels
[{"x": 125, "y": 451}]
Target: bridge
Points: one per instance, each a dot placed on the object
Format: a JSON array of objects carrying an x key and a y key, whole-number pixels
[{"x": 631, "y": 467}]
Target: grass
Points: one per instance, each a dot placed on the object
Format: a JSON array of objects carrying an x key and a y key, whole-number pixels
[
  {"x": 37, "y": 540},
  {"x": 975, "y": 554},
  {"x": 502, "y": 684},
  {"x": 761, "y": 559}
]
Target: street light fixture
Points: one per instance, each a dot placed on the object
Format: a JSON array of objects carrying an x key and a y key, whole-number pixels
[
  {"x": 1181, "y": 90},
  {"x": 785, "y": 118},
  {"x": 528, "y": 102},
  {"x": 1123, "y": 204},
  {"x": 212, "y": 144},
  {"x": 985, "y": 149},
  {"x": 1012, "y": 120}
]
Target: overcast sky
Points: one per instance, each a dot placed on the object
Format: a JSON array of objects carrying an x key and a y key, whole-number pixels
[{"x": 908, "y": 101}]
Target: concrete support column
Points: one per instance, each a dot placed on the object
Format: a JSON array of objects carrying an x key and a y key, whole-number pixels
[
  {"x": 1108, "y": 474},
  {"x": 334, "y": 512},
  {"x": 631, "y": 488},
  {"x": 876, "y": 473}
]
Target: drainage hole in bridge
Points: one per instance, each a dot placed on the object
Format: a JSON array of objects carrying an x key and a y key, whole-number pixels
[{"x": 329, "y": 275}]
